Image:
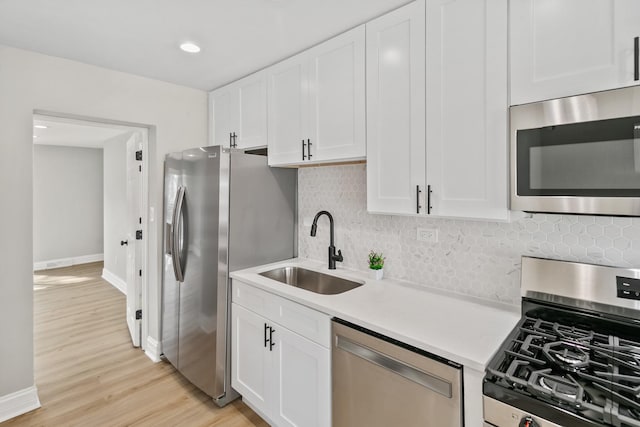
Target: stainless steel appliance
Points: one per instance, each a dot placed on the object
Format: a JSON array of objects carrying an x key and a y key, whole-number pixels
[
  {"x": 578, "y": 155},
  {"x": 380, "y": 382},
  {"x": 223, "y": 210},
  {"x": 574, "y": 357}
]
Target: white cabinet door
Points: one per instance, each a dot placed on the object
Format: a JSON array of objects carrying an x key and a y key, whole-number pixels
[
  {"x": 570, "y": 47},
  {"x": 238, "y": 113},
  {"x": 222, "y": 113},
  {"x": 466, "y": 86},
  {"x": 251, "y": 123},
  {"x": 336, "y": 91},
  {"x": 303, "y": 386},
  {"x": 287, "y": 100},
  {"x": 396, "y": 111},
  {"x": 250, "y": 365},
  {"x": 318, "y": 98}
]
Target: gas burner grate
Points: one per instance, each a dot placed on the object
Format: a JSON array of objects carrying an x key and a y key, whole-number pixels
[{"x": 594, "y": 374}]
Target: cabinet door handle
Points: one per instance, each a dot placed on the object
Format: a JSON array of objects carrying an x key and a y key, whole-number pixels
[
  {"x": 303, "y": 147},
  {"x": 418, "y": 199},
  {"x": 235, "y": 141},
  {"x": 429, "y": 199},
  {"x": 266, "y": 338},
  {"x": 230, "y": 139},
  {"x": 271, "y": 342},
  {"x": 308, "y": 149},
  {"x": 636, "y": 59}
]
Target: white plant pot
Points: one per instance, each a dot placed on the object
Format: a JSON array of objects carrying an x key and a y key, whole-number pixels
[{"x": 376, "y": 274}]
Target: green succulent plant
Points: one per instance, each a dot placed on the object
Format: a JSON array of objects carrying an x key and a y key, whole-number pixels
[{"x": 376, "y": 260}]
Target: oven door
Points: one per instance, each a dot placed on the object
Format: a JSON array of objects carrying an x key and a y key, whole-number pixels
[{"x": 577, "y": 155}]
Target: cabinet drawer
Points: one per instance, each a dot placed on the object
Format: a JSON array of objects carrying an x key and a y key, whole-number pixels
[
  {"x": 309, "y": 323},
  {"x": 254, "y": 299}
]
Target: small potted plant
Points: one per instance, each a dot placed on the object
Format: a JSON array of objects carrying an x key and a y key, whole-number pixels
[{"x": 376, "y": 264}]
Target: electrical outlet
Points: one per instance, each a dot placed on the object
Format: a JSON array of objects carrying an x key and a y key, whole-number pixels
[{"x": 427, "y": 235}]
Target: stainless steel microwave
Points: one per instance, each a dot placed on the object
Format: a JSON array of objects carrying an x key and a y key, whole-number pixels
[{"x": 578, "y": 155}]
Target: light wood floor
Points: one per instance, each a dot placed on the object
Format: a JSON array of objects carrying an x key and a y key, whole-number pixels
[{"x": 88, "y": 374}]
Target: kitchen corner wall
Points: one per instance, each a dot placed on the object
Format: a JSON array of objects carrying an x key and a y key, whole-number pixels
[{"x": 477, "y": 258}]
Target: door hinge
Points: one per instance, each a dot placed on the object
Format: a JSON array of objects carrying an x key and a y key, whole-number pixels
[
  {"x": 140, "y": 273},
  {"x": 139, "y": 155},
  {"x": 138, "y": 314},
  {"x": 140, "y": 220},
  {"x": 138, "y": 234},
  {"x": 139, "y": 168}
]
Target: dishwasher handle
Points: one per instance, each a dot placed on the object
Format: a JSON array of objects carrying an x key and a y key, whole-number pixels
[{"x": 424, "y": 379}]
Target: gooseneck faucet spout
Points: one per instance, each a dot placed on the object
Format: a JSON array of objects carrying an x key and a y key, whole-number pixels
[{"x": 333, "y": 257}]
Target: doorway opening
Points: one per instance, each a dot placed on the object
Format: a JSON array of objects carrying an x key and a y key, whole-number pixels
[{"x": 91, "y": 201}]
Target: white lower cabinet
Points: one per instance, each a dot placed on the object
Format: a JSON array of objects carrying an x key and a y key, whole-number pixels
[{"x": 281, "y": 374}]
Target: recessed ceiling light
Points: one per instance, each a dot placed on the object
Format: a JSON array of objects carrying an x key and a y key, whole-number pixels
[
  {"x": 40, "y": 126},
  {"x": 190, "y": 47},
  {"x": 35, "y": 136}
]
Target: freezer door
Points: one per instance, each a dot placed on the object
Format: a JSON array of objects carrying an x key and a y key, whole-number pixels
[
  {"x": 170, "y": 288},
  {"x": 198, "y": 248}
]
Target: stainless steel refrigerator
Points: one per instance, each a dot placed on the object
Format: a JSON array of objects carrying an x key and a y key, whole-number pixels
[{"x": 223, "y": 210}]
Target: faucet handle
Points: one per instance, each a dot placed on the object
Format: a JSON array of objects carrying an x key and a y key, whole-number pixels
[{"x": 339, "y": 256}]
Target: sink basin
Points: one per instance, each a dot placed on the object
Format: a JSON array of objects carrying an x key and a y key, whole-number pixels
[{"x": 311, "y": 280}]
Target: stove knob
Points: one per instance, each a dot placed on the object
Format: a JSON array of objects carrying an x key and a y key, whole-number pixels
[{"x": 528, "y": 422}]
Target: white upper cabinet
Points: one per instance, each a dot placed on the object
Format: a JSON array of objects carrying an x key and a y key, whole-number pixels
[
  {"x": 466, "y": 81},
  {"x": 396, "y": 111},
  {"x": 317, "y": 103},
  {"x": 570, "y": 47},
  {"x": 220, "y": 106},
  {"x": 437, "y": 110},
  {"x": 287, "y": 95},
  {"x": 239, "y": 112}
]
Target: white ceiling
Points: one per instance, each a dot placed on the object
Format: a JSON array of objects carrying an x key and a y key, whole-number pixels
[
  {"x": 141, "y": 37},
  {"x": 73, "y": 133}
]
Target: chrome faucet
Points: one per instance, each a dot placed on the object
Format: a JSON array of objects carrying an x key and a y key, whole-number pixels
[{"x": 333, "y": 257}]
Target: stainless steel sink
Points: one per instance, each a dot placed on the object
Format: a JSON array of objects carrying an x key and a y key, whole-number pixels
[{"x": 311, "y": 280}]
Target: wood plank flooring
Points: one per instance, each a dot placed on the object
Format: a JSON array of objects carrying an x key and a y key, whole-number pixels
[{"x": 88, "y": 374}]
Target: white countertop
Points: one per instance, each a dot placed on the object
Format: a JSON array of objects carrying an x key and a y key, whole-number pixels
[{"x": 462, "y": 329}]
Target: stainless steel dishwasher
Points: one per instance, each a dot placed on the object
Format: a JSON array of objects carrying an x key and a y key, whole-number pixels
[{"x": 378, "y": 381}]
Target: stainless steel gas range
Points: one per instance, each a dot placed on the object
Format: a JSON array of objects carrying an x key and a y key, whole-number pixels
[{"x": 574, "y": 357}]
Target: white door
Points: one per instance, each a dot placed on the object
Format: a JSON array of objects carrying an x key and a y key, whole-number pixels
[
  {"x": 287, "y": 89},
  {"x": 251, "y": 110},
  {"x": 396, "y": 111},
  {"x": 134, "y": 246},
  {"x": 303, "y": 383},
  {"x": 570, "y": 47},
  {"x": 223, "y": 106},
  {"x": 467, "y": 108},
  {"x": 251, "y": 375},
  {"x": 336, "y": 125}
]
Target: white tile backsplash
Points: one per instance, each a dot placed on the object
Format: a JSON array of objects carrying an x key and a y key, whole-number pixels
[{"x": 478, "y": 258}]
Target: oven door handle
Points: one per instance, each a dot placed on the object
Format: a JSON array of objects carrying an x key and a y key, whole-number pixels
[{"x": 424, "y": 379}]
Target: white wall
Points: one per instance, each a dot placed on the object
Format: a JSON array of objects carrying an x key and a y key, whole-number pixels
[
  {"x": 28, "y": 81},
  {"x": 67, "y": 202},
  {"x": 115, "y": 205},
  {"x": 478, "y": 258}
]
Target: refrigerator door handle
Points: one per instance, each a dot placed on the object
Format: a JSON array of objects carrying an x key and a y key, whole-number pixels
[{"x": 176, "y": 252}]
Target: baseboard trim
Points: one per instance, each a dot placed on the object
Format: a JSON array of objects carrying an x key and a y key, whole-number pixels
[
  {"x": 67, "y": 262},
  {"x": 152, "y": 349},
  {"x": 18, "y": 403},
  {"x": 116, "y": 281}
]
